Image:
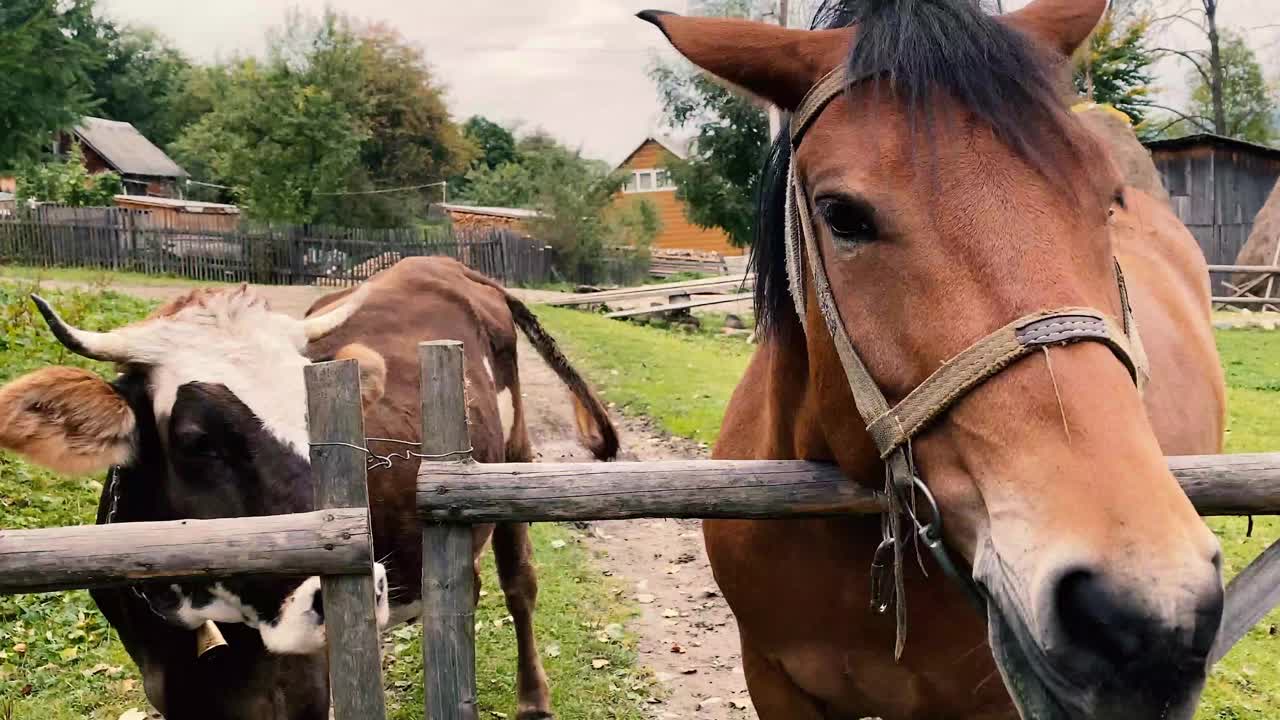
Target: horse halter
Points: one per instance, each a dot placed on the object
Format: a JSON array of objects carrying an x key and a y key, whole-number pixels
[{"x": 893, "y": 427}]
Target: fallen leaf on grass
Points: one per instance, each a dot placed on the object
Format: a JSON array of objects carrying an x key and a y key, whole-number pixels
[
  {"x": 599, "y": 663},
  {"x": 553, "y": 650},
  {"x": 133, "y": 714},
  {"x": 557, "y": 544}
]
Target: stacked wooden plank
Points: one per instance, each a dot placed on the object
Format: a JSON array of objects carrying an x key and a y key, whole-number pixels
[{"x": 665, "y": 263}]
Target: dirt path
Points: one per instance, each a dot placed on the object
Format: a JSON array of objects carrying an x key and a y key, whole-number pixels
[{"x": 687, "y": 636}]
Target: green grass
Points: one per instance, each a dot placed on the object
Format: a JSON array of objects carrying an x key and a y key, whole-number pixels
[
  {"x": 97, "y": 278},
  {"x": 579, "y": 620},
  {"x": 684, "y": 381},
  {"x": 59, "y": 660},
  {"x": 681, "y": 380},
  {"x": 58, "y": 657}
]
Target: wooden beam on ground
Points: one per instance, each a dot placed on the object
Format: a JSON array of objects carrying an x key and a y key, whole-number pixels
[
  {"x": 336, "y": 421},
  {"x": 95, "y": 556},
  {"x": 663, "y": 289},
  {"x": 470, "y": 492},
  {"x": 448, "y": 583},
  {"x": 739, "y": 297}
]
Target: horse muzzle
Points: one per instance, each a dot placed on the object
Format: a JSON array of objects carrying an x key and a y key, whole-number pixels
[{"x": 1097, "y": 654}]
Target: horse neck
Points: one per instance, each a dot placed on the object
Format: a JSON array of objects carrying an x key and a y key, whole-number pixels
[{"x": 786, "y": 408}]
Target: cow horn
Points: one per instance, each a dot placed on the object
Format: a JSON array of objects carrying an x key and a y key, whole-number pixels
[
  {"x": 320, "y": 325},
  {"x": 108, "y": 347}
]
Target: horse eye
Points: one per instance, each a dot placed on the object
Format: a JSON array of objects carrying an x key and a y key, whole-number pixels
[{"x": 849, "y": 221}]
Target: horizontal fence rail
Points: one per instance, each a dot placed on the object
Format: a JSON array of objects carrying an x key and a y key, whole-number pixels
[
  {"x": 334, "y": 542},
  {"x": 472, "y": 493},
  {"x": 94, "y": 556}
]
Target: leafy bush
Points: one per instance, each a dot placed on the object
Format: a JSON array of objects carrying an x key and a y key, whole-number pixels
[{"x": 68, "y": 182}]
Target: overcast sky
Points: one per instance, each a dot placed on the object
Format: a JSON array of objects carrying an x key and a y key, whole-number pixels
[{"x": 576, "y": 68}]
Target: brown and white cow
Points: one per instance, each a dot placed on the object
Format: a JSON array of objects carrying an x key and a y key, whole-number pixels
[{"x": 207, "y": 419}]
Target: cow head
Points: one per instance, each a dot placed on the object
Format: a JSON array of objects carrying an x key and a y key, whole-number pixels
[{"x": 207, "y": 419}]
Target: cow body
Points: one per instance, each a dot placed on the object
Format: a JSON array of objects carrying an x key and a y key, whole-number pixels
[{"x": 207, "y": 419}]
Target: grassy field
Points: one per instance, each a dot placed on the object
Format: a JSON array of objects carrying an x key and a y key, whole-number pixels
[
  {"x": 59, "y": 660},
  {"x": 97, "y": 278},
  {"x": 684, "y": 381}
]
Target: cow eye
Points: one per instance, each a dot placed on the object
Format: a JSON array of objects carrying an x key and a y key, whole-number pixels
[{"x": 850, "y": 220}]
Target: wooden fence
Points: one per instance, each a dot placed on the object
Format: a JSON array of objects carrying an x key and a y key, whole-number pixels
[
  {"x": 454, "y": 494},
  {"x": 130, "y": 240},
  {"x": 334, "y": 541}
]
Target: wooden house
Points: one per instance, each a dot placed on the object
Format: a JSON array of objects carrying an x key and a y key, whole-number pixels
[
  {"x": 650, "y": 182},
  {"x": 1217, "y": 185},
  {"x": 110, "y": 145}
]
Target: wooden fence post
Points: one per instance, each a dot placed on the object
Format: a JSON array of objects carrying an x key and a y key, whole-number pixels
[
  {"x": 355, "y": 662},
  {"x": 448, "y": 586}
]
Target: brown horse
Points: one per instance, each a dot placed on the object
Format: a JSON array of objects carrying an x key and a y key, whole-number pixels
[{"x": 952, "y": 192}]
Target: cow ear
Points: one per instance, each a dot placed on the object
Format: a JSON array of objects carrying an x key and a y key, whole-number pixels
[
  {"x": 68, "y": 420},
  {"x": 373, "y": 372}
]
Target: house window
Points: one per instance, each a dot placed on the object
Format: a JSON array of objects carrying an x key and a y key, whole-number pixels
[{"x": 648, "y": 181}]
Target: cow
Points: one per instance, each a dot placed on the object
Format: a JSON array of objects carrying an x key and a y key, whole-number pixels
[{"x": 206, "y": 418}]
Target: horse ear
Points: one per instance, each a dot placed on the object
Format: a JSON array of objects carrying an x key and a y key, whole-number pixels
[
  {"x": 776, "y": 64},
  {"x": 1060, "y": 24}
]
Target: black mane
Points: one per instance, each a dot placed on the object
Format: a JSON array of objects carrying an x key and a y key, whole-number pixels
[{"x": 919, "y": 50}]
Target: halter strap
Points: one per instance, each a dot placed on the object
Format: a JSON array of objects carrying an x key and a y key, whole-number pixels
[{"x": 893, "y": 427}]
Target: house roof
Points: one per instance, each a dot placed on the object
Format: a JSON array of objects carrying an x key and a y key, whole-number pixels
[
  {"x": 679, "y": 148},
  {"x": 503, "y": 212},
  {"x": 190, "y": 206},
  {"x": 1200, "y": 139},
  {"x": 125, "y": 149}
]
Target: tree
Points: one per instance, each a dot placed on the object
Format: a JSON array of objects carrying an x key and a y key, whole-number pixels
[
  {"x": 67, "y": 182},
  {"x": 1210, "y": 76},
  {"x": 329, "y": 127},
  {"x": 412, "y": 140},
  {"x": 718, "y": 181},
  {"x": 45, "y": 61},
  {"x": 139, "y": 81},
  {"x": 575, "y": 198},
  {"x": 1241, "y": 106},
  {"x": 1114, "y": 67},
  {"x": 496, "y": 144},
  {"x": 278, "y": 140}
]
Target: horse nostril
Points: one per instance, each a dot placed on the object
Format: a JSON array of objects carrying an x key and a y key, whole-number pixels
[{"x": 1094, "y": 619}]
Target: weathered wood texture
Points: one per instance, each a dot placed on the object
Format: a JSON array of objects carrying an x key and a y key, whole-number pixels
[
  {"x": 355, "y": 663},
  {"x": 93, "y": 556},
  {"x": 737, "y": 297},
  {"x": 448, "y": 584},
  {"x": 1217, "y": 484},
  {"x": 1230, "y": 484},
  {"x": 1250, "y": 596},
  {"x": 659, "y": 289}
]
